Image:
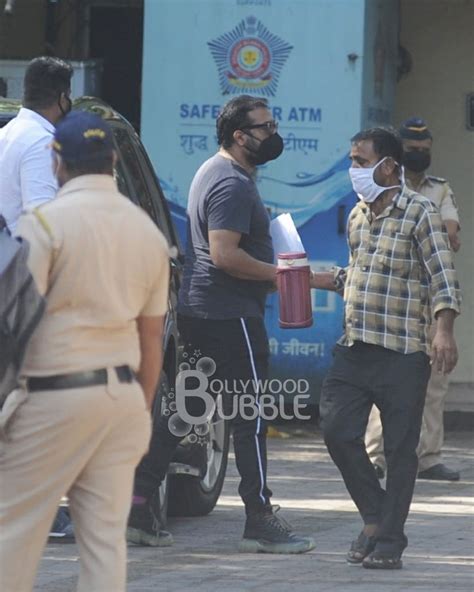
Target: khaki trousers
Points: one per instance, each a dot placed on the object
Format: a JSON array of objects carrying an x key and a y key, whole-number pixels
[
  {"x": 432, "y": 429},
  {"x": 85, "y": 442}
]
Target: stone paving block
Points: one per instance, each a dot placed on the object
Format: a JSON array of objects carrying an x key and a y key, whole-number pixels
[{"x": 313, "y": 497}]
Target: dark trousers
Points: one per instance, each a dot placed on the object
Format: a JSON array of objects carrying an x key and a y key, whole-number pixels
[
  {"x": 239, "y": 348},
  {"x": 363, "y": 375}
]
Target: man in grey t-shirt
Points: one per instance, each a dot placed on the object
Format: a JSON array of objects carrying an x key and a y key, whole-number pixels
[
  {"x": 224, "y": 197},
  {"x": 227, "y": 274}
]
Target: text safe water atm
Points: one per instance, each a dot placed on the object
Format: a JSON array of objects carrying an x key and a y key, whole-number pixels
[{"x": 327, "y": 68}]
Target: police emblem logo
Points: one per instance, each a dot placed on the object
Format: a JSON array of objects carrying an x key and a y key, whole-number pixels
[{"x": 249, "y": 58}]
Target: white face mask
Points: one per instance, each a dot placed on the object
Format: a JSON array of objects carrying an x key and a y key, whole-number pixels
[{"x": 364, "y": 185}]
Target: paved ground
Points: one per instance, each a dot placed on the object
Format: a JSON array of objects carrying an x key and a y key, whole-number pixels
[{"x": 307, "y": 485}]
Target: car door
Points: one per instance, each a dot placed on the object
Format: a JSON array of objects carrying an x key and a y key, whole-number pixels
[
  {"x": 144, "y": 189},
  {"x": 136, "y": 178}
]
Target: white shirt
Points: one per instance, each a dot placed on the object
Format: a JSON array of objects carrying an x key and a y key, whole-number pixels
[{"x": 26, "y": 174}]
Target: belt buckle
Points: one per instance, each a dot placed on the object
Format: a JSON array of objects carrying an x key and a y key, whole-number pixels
[{"x": 124, "y": 374}]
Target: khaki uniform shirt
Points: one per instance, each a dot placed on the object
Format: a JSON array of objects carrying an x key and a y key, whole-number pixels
[
  {"x": 440, "y": 193},
  {"x": 105, "y": 265}
]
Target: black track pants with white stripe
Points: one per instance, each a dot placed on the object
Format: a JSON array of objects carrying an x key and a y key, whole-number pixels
[{"x": 239, "y": 348}]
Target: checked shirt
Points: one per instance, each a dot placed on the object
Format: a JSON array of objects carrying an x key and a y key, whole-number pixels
[{"x": 400, "y": 274}]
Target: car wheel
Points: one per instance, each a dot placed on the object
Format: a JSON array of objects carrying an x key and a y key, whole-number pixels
[{"x": 197, "y": 496}]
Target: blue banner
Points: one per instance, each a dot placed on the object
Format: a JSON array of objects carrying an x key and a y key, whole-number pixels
[{"x": 314, "y": 61}]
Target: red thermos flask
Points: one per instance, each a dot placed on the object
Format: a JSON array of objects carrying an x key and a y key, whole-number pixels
[{"x": 293, "y": 274}]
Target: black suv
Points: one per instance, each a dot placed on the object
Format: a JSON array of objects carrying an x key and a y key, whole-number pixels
[{"x": 194, "y": 480}]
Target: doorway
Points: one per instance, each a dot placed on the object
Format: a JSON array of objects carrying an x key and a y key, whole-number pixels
[{"x": 116, "y": 37}]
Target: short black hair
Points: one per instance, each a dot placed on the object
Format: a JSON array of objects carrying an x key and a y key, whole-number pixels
[
  {"x": 45, "y": 79},
  {"x": 385, "y": 140},
  {"x": 98, "y": 163},
  {"x": 234, "y": 116}
]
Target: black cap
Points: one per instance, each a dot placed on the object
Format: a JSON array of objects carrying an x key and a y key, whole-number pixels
[
  {"x": 415, "y": 128},
  {"x": 82, "y": 136}
]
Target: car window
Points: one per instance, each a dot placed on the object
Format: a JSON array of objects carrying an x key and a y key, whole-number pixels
[
  {"x": 138, "y": 175},
  {"x": 139, "y": 190},
  {"x": 120, "y": 177},
  {"x": 159, "y": 202}
]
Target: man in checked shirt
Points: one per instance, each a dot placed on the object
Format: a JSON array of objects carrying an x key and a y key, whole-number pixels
[
  {"x": 400, "y": 275},
  {"x": 417, "y": 145}
]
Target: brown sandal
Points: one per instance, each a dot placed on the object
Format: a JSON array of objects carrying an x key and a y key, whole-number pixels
[
  {"x": 360, "y": 548},
  {"x": 379, "y": 560}
]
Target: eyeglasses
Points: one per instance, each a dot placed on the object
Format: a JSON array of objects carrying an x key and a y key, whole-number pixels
[{"x": 270, "y": 126}]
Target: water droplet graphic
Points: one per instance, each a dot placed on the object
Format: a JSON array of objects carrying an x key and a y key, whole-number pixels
[
  {"x": 178, "y": 427},
  {"x": 202, "y": 429},
  {"x": 207, "y": 366}
]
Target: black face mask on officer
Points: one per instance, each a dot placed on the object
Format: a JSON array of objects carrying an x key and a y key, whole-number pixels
[
  {"x": 416, "y": 160},
  {"x": 268, "y": 149},
  {"x": 68, "y": 109}
]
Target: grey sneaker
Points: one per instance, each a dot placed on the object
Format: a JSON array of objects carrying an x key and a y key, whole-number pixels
[
  {"x": 439, "y": 472},
  {"x": 266, "y": 532},
  {"x": 144, "y": 528}
]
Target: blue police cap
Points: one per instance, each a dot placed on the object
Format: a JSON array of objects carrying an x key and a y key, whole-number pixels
[
  {"x": 82, "y": 136},
  {"x": 415, "y": 128}
]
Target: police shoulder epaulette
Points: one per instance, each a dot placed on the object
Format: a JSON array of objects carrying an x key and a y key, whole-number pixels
[
  {"x": 43, "y": 222},
  {"x": 436, "y": 179}
]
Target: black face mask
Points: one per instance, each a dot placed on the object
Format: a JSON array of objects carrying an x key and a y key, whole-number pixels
[
  {"x": 268, "y": 149},
  {"x": 69, "y": 107},
  {"x": 416, "y": 161}
]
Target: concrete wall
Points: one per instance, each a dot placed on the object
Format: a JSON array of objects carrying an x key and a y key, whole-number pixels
[{"x": 439, "y": 35}]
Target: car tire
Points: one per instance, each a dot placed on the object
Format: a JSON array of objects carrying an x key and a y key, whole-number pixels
[{"x": 197, "y": 496}]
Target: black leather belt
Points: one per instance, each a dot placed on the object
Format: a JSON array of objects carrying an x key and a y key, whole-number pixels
[{"x": 77, "y": 379}]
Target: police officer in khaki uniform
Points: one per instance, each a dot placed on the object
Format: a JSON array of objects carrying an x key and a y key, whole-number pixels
[
  {"x": 91, "y": 367},
  {"x": 417, "y": 144}
]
